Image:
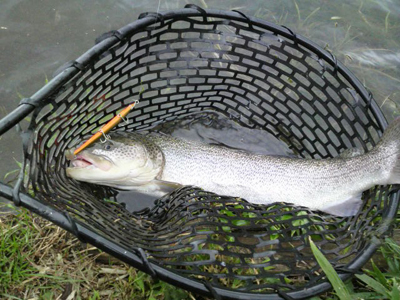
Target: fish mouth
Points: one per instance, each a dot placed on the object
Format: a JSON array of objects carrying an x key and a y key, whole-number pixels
[
  {"x": 81, "y": 162},
  {"x": 85, "y": 161}
]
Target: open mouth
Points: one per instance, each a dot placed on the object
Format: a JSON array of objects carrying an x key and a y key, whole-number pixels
[
  {"x": 81, "y": 162},
  {"x": 86, "y": 160}
]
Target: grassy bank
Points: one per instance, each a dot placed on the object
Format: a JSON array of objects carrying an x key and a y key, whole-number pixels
[{"x": 39, "y": 260}]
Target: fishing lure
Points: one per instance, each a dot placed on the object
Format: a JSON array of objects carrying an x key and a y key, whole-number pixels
[{"x": 107, "y": 128}]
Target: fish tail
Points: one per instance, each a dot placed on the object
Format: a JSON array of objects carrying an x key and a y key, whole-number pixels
[{"x": 388, "y": 149}]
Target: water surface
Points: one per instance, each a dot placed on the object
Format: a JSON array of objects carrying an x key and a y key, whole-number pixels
[{"x": 37, "y": 37}]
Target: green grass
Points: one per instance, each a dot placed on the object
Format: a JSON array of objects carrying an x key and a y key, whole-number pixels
[
  {"x": 373, "y": 284},
  {"x": 39, "y": 260},
  {"x": 14, "y": 253}
]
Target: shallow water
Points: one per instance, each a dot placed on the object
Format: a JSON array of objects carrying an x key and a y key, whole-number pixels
[{"x": 37, "y": 37}]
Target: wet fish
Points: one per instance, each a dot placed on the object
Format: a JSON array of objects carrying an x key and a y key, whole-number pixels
[{"x": 152, "y": 161}]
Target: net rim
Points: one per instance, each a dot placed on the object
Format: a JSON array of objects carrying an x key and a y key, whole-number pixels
[{"x": 104, "y": 43}]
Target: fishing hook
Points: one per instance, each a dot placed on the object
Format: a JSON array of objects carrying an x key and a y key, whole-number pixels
[
  {"x": 126, "y": 121},
  {"x": 106, "y": 137}
]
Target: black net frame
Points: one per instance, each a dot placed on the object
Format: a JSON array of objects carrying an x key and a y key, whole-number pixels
[{"x": 188, "y": 61}]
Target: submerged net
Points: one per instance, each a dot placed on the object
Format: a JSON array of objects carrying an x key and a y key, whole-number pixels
[{"x": 261, "y": 76}]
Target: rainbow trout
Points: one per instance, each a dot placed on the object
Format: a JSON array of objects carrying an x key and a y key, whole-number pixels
[{"x": 149, "y": 162}]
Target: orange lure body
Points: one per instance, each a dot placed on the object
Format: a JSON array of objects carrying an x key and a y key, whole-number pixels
[{"x": 106, "y": 128}]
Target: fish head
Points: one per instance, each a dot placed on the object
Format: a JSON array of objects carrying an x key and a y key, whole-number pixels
[{"x": 120, "y": 162}]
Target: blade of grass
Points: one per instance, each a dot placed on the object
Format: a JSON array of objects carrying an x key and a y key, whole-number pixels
[
  {"x": 298, "y": 10},
  {"x": 375, "y": 285},
  {"x": 9, "y": 173},
  {"x": 311, "y": 14},
  {"x": 393, "y": 246},
  {"x": 387, "y": 22},
  {"x": 378, "y": 274},
  {"x": 338, "y": 285},
  {"x": 395, "y": 291}
]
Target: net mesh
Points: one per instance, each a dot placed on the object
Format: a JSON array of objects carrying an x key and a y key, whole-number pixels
[{"x": 185, "y": 64}]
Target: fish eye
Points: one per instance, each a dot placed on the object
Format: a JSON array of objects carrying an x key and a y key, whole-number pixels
[{"x": 107, "y": 147}]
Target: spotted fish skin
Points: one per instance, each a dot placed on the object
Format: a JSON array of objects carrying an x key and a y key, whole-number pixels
[
  {"x": 325, "y": 185},
  {"x": 331, "y": 185}
]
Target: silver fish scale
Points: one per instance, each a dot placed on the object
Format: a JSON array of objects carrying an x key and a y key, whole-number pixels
[{"x": 317, "y": 184}]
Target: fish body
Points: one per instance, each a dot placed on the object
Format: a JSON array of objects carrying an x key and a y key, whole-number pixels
[{"x": 330, "y": 185}]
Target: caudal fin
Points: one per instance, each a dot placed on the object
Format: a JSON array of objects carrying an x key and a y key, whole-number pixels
[{"x": 388, "y": 150}]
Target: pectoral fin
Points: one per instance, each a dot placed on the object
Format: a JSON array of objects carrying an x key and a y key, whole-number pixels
[
  {"x": 167, "y": 186},
  {"x": 157, "y": 188},
  {"x": 347, "y": 208}
]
